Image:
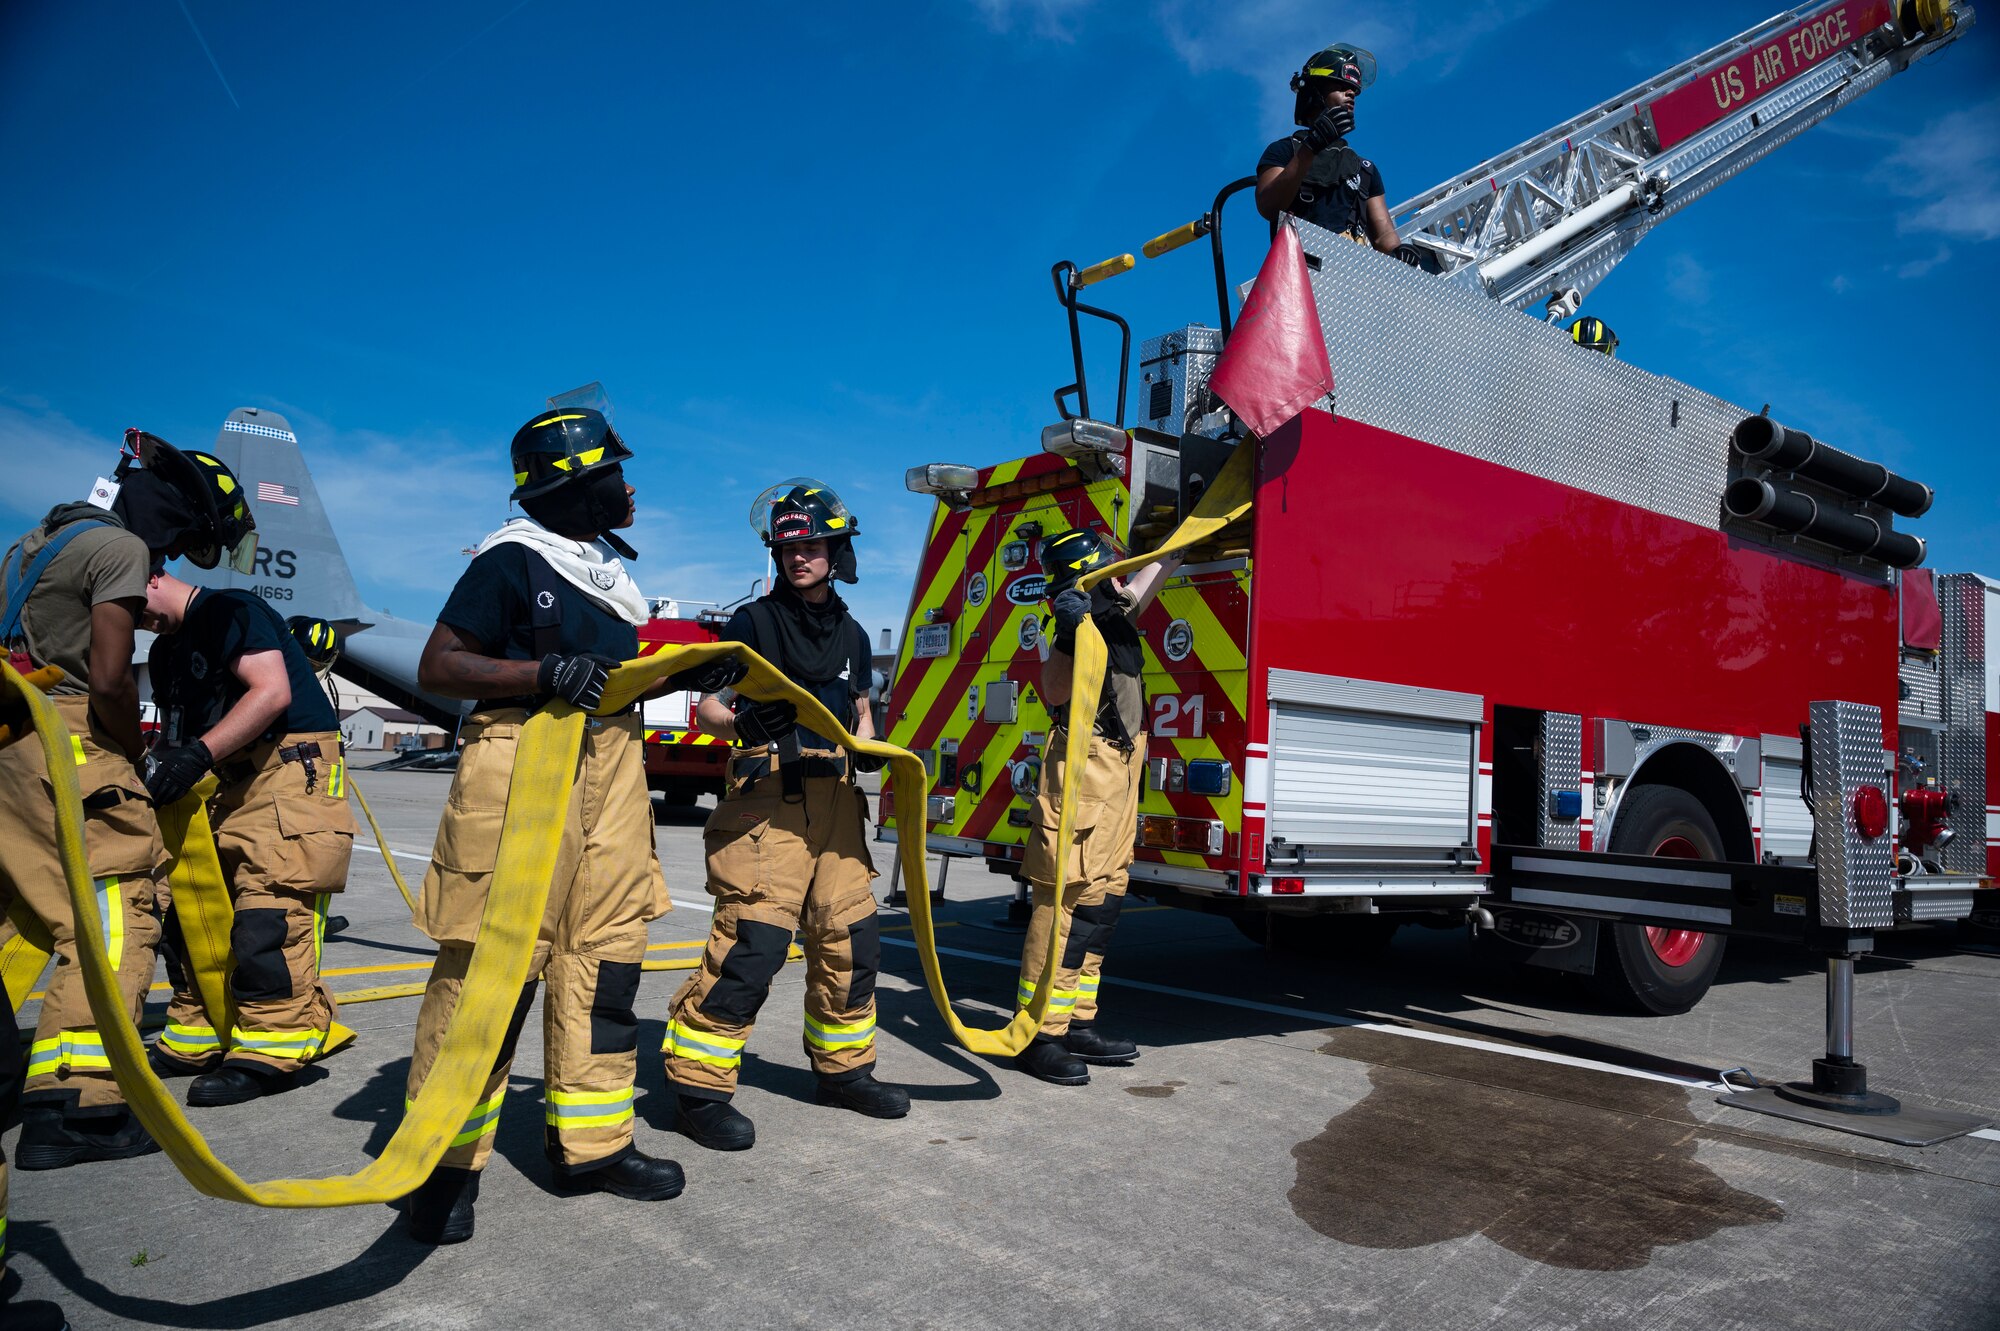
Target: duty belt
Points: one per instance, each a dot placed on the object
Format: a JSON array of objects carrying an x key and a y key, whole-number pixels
[{"x": 749, "y": 768}]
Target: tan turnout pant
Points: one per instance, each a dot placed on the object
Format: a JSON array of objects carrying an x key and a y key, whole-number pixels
[
  {"x": 1093, "y": 875},
  {"x": 285, "y": 842},
  {"x": 607, "y": 885},
  {"x": 776, "y": 867},
  {"x": 66, "y": 1062}
]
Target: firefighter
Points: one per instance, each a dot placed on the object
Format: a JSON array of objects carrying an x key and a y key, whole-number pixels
[
  {"x": 1595, "y": 334},
  {"x": 1086, "y": 882},
  {"x": 72, "y": 591},
  {"x": 238, "y": 697},
  {"x": 545, "y": 610},
  {"x": 1313, "y": 173},
  {"x": 787, "y": 844}
]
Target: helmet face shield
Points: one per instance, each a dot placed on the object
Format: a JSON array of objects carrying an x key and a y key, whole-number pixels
[
  {"x": 563, "y": 444},
  {"x": 800, "y": 509}
]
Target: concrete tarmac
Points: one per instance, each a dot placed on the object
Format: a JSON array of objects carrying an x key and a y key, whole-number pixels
[{"x": 1427, "y": 1140}]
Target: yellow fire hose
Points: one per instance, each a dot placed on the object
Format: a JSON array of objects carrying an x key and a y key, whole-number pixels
[{"x": 531, "y": 837}]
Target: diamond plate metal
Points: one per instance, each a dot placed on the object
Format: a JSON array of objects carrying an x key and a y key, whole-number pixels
[
  {"x": 1962, "y": 745},
  {"x": 1531, "y": 399},
  {"x": 1923, "y": 689},
  {"x": 1855, "y": 873},
  {"x": 1181, "y": 360},
  {"x": 1561, "y": 769}
]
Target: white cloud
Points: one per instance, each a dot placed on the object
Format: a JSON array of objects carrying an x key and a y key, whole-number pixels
[
  {"x": 47, "y": 459},
  {"x": 1919, "y": 267},
  {"x": 1050, "y": 19},
  {"x": 1688, "y": 280},
  {"x": 1948, "y": 174}
]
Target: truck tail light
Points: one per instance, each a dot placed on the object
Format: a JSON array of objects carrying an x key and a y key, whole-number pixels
[
  {"x": 885, "y": 806},
  {"x": 1196, "y": 836},
  {"x": 1288, "y": 887}
]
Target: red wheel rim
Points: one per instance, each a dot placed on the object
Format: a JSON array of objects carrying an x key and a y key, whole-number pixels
[{"x": 1676, "y": 947}]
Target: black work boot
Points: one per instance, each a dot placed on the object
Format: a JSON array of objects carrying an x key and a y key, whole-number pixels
[
  {"x": 716, "y": 1124},
  {"x": 1046, "y": 1059},
  {"x": 49, "y": 1140},
  {"x": 634, "y": 1175},
  {"x": 864, "y": 1095},
  {"x": 233, "y": 1084},
  {"x": 1083, "y": 1040},
  {"x": 440, "y": 1210}
]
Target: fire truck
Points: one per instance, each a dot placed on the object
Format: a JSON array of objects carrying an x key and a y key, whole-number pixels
[
  {"x": 682, "y": 764},
  {"x": 1516, "y": 633}
]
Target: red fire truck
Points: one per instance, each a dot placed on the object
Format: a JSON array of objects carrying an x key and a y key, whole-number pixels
[
  {"x": 682, "y": 764},
  {"x": 1516, "y": 633}
]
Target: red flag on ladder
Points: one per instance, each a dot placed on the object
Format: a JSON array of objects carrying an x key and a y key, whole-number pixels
[{"x": 1275, "y": 364}]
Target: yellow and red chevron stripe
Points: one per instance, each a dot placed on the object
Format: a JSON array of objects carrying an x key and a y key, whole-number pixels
[{"x": 673, "y": 736}]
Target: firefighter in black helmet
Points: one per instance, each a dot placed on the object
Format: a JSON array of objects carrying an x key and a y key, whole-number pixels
[
  {"x": 1083, "y": 885},
  {"x": 72, "y": 592},
  {"x": 1313, "y": 173},
  {"x": 545, "y": 611},
  {"x": 788, "y": 843},
  {"x": 1595, "y": 334},
  {"x": 315, "y": 638}
]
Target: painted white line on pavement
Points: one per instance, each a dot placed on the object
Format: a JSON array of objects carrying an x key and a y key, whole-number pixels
[
  {"x": 1990, "y": 1134},
  {"x": 1359, "y": 1023},
  {"x": 707, "y": 906}
]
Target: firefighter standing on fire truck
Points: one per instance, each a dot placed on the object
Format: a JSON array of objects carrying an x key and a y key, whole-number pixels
[
  {"x": 1313, "y": 173},
  {"x": 238, "y": 697},
  {"x": 1083, "y": 885},
  {"x": 787, "y": 845},
  {"x": 545, "y": 611},
  {"x": 71, "y": 594}
]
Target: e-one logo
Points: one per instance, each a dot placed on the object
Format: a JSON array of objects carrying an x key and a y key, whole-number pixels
[
  {"x": 1027, "y": 590},
  {"x": 1534, "y": 930}
]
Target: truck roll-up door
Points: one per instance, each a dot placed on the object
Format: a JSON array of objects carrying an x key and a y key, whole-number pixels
[{"x": 1371, "y": 774}]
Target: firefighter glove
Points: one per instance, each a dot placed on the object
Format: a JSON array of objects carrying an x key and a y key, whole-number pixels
[
  {"x": 766, "y": 722},
  {"x": 1071, "y": 607},
  {"x": 580, "y": 678},
  {"x": 1331, "y": 128},
  {"x": 866, "y": 762},
  {"x": 172, "y": 773},
  {"x": 708, "y": 677}
]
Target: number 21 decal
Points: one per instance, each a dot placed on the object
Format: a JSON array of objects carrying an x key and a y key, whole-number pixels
[{"x": 1177, "y": 716}]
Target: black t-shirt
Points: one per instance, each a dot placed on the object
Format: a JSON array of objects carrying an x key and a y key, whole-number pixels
[
  {"x": 837, "y": 694},
  {"x": 1339, "y": 204},
  {"x": 494, "y": 603},
  {"x": 194, "y": 685}
]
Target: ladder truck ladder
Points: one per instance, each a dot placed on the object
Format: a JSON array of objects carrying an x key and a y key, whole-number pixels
[{"x": 1549, "y": 219}]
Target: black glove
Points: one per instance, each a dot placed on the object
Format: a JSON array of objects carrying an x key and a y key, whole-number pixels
[
  {"x": 867, "y": 762},
  {"x": 708, "y": 677},
  {"x": 578, "y": 678},
  {"x": 766, "y": 722},
  {"x": 1410, "y": 255},
  {"x": 1331, "y": 129},
  {"x": 1071, "y": 607},
  {"x": 172, "y": 773}
]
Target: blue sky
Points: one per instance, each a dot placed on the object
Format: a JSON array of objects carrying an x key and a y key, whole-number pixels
[{"x": 816, "y": 239}]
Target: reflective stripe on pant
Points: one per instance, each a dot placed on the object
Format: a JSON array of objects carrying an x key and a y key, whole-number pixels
[
  {"x": 775, "y": 868},
  {"x": 607, "y": 885},
  {"x": 1097, "y": 869},
  {"x": 122, "y": 843},
  {"x": 283, "y": 848}
]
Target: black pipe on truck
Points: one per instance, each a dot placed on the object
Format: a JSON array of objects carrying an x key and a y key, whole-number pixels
[
  {"x": 1779, "y": 506},
  {"x": 1773, "y": 445}
]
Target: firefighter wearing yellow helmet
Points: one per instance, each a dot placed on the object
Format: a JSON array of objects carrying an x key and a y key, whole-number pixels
[
  {"x": 1082, "y": 886},
  {"x": 788, "y": 843},
  {"x": 544, "y": 612}
]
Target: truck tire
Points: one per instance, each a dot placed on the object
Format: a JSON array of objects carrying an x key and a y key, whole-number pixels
[
  {"x": 1321, "y": 937},
  {"x": 1660, "y": 971}
]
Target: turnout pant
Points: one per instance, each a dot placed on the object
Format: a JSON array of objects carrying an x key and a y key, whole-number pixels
[
  {"x": 284, "y": 839},
  {"x": 776, "y": 867},
  {"x": 66, "y": 1063},
  {"x": 607, "y": 885},
  {"x": 1085, "y": 888}
]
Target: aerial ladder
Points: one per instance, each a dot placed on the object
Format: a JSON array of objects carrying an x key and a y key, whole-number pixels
[{"x": 1547, "y": 220}]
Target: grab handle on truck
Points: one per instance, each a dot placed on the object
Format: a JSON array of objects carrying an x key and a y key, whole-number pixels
[{"x": 1068, "y": 279}]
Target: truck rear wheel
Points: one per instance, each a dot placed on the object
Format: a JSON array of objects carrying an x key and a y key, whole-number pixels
[{"x": 1650, "y": 969}]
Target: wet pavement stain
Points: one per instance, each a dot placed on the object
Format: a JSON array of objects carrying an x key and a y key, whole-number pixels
[
  {"x": 1150, "y": 1092},
  {"x": 1564, "y": 1166}
]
